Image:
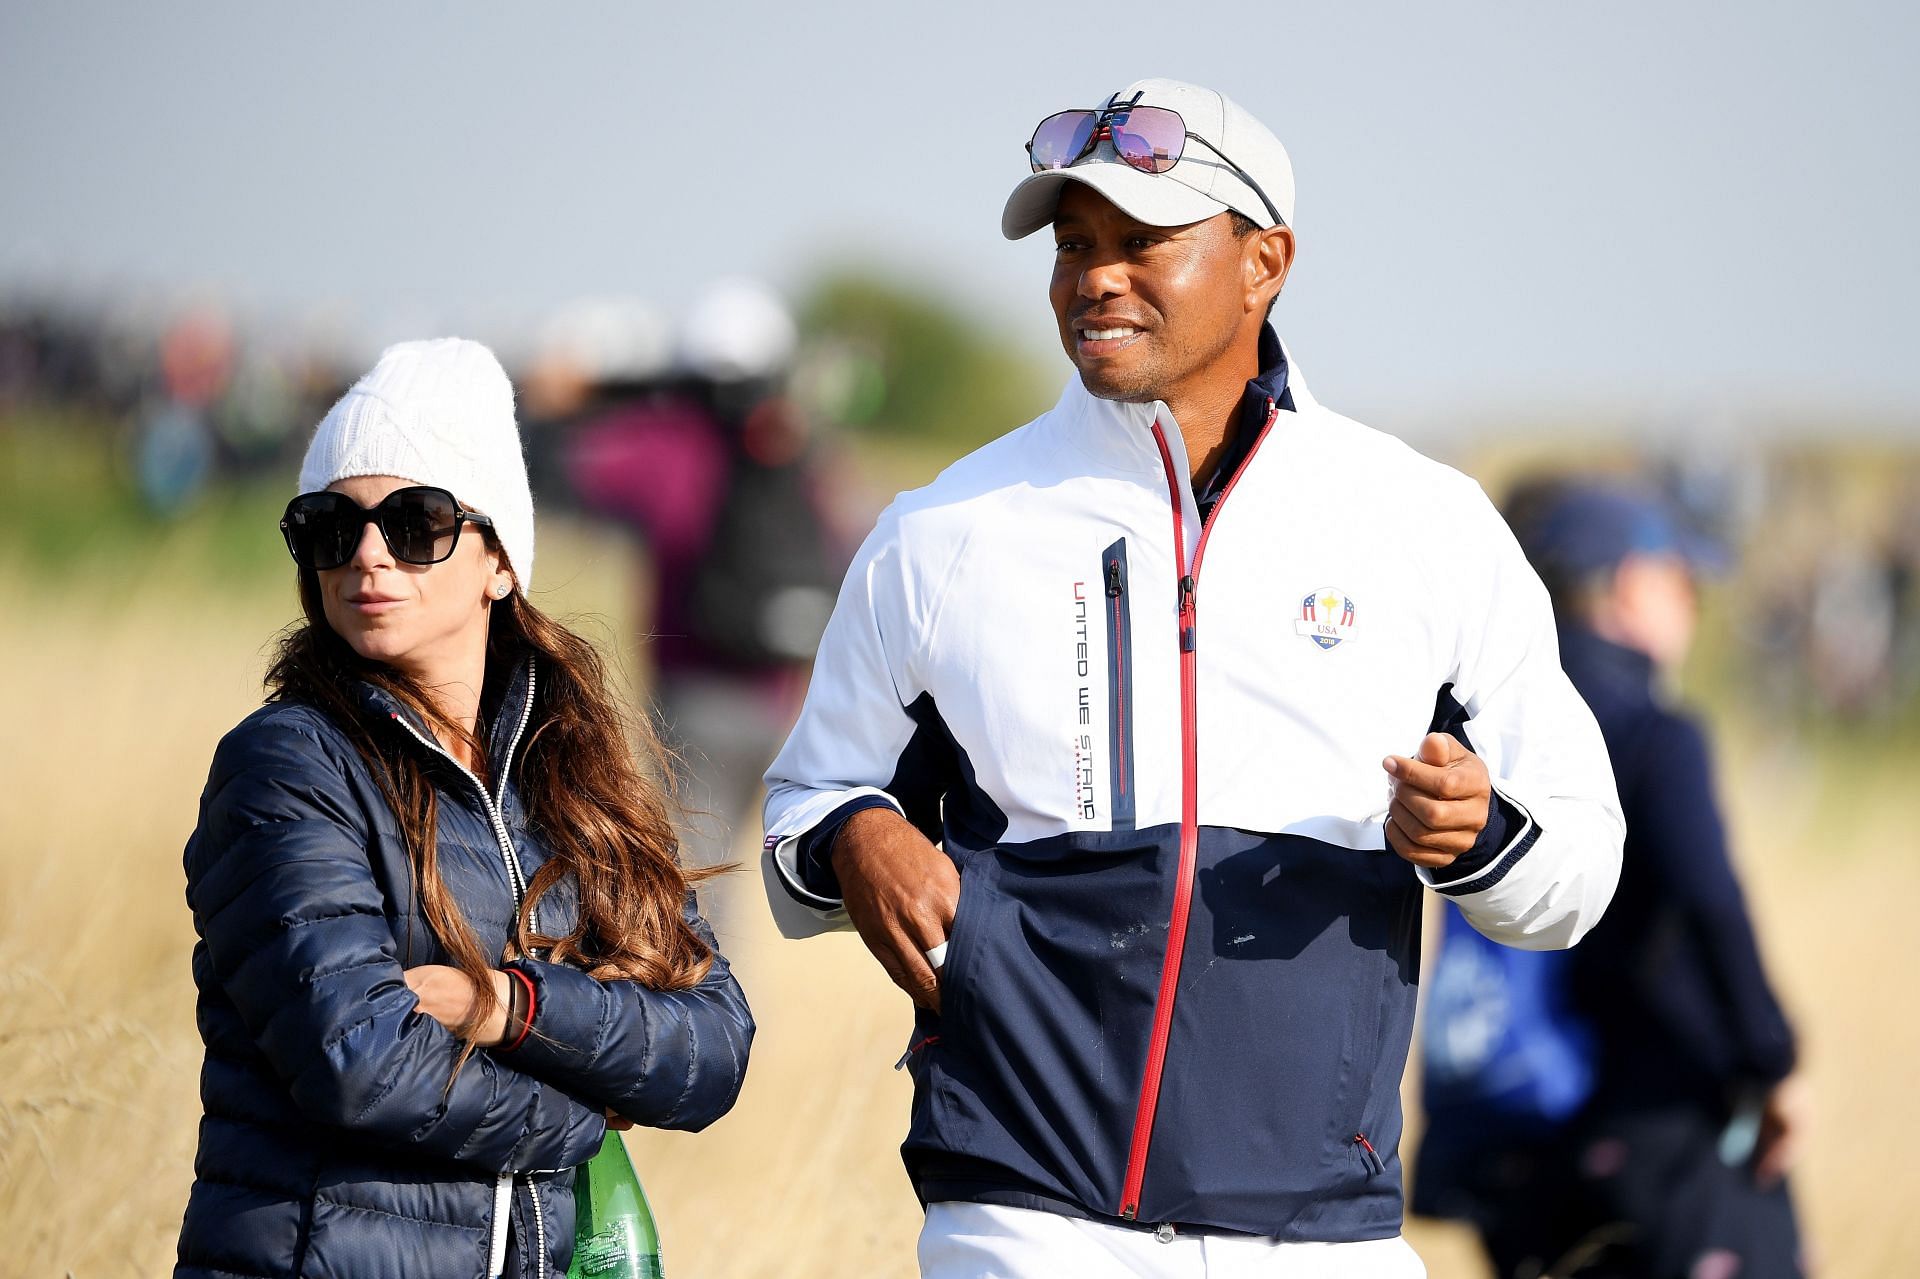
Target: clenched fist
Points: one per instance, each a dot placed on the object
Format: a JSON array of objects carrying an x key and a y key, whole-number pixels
[{"x": 1440, "y": 801}]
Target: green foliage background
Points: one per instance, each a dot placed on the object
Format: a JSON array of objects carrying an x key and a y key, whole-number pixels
[{"x": 941, "y": 375}]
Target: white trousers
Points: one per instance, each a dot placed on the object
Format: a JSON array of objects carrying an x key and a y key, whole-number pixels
[{"x": 985, "y": 1241}]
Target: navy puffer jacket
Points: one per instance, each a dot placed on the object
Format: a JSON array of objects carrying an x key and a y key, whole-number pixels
[{"x": 332, "y": 1143}]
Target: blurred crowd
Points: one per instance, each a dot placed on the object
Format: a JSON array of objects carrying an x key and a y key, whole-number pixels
[
  {"x": 184, "y": 401},
  {"x": 697, "y": 437},
  {"x": 1818, "y": 575},
  {"x": 1821, "y": 590}
]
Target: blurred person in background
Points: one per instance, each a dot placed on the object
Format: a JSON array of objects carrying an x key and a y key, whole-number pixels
[
  {"x": 265, "y": 406},
  {"x": 1903, "y": 578},
  {"x": 1629, "y": 1107},
  {"x": 718, "y": 473},
  {"x": 444, "y": 936},
  {"x": 1852, "y": 628},
  {"x": 174, "y": 453}
]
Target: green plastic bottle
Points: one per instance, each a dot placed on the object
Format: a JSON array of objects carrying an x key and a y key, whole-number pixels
[{"x": 614, "y": 1235}]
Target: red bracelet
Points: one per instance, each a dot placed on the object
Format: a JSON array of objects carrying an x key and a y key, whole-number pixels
[{"x": 526, "y": 1025}]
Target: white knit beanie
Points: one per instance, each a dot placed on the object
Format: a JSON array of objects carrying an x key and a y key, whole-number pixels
[{"x": 436, "y": 412}]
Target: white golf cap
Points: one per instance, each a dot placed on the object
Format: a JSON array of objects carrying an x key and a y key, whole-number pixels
[{"x": 1198, "y": 187}]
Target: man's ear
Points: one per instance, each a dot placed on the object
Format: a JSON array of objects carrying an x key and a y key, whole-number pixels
[{"x": 1269, "y": 258}]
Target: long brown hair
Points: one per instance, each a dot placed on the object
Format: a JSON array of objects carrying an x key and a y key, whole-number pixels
[{"x": 608, "y": 819}]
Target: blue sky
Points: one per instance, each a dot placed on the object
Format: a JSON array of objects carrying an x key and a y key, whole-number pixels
[{"x": 1632, "y": 208}]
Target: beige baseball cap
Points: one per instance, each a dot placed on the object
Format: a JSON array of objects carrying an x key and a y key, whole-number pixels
[{"x": 1201, "y": 184}]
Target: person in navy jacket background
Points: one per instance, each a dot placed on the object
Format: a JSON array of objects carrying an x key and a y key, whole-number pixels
[
  {"x": 1675, "y": 1164},
  {"x": 1697, "y": 1114},
  {"x": 1197, "y": 685}
]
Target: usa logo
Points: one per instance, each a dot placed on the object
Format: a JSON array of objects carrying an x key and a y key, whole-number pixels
[{"x": 1326, "y": 617}]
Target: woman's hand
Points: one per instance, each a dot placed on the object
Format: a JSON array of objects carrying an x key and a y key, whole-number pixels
[{"x": 447, "y": 995}]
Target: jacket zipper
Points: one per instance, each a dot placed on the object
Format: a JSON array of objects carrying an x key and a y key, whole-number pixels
[
  {"x": 516, "y": 878},
  {"x": 539, "y": 1231},
  {"x": 1189, "y": 813},
  {"x": 517, "y": 883}
]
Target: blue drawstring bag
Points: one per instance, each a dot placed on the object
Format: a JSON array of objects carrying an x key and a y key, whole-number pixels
[{"x": 1505, "y": 1051}]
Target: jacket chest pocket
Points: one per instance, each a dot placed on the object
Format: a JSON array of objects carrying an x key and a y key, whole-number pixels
[{"x": 1065, "y": 696}]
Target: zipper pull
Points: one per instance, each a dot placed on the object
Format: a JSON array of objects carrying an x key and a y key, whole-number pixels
[
  {"x": 1373, "y": 1156},
  {"x": 1186, "y": 614},
  {"x": 907, "y": 1056},
  {"x": 1114, "y": 585}
]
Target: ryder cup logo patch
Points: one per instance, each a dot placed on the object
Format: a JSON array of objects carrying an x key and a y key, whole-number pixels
[{"x": 1326, "y": 617}]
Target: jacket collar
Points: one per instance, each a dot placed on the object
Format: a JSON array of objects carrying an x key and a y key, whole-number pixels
[
  {"x": 1271, "y": 384},
  {"x": 1591, "y": 660},
  {"x": 506, "y": 723},
  {"x": 1265, "y": 391},
  {"x": 1120, "y": 435}
]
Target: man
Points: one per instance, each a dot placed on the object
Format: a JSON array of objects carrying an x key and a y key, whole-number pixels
[
  {"x": 1196, "y": 683},
  {"x": 1689, "y": 1111}
]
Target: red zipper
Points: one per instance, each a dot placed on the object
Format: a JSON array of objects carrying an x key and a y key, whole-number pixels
[
  {"x": 1120, "y": 684},
  {"x": 1189, "y": 819}
]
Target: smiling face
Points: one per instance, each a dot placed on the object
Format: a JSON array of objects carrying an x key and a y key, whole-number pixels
[
  {"x": 428, "y": 621},
  {"x": 1148, "y": 312}
]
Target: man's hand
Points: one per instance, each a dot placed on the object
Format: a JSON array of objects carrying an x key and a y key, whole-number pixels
[
  {"x": 1783, "y": 1126},
  {"x": 900, "y": 892},
  {"x": 1440, "y": 801}
]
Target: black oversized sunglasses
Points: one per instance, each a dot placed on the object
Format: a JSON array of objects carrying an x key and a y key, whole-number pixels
[{"x": 421, "y": 525}]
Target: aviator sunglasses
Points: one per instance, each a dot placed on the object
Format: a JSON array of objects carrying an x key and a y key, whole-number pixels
[
  {"x": 421, "y": 525},
  {"x": 1150, "y": 139}
]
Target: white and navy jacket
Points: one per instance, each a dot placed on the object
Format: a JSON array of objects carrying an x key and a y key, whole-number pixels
[{"x": 1180, "y": 983}]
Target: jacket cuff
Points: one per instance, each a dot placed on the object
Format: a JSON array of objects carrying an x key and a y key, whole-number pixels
[
  {"x": 1768, "y": 1063},
  {"x": 525, "y": 985},
  {"x": 813, "y": 852},
  {"x": 1510, "y": 831},
  {"x": 564, "y": 1026}
]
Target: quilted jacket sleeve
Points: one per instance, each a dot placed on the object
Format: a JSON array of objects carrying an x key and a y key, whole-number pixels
[
  {"x": 664, "y": 1058},
  {"x": 286, "y": 901}
]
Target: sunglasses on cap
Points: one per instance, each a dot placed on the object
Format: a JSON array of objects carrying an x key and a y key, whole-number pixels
[
  {"x": 421, "y": 524},
  {"x": 1150, "y": 139}
]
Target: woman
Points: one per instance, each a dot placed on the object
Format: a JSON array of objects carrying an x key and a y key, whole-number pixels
[{"x": 444, "y": 938}]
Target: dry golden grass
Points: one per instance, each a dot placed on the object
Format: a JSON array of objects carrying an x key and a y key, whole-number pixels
[{"x": 115, "y": 696}]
